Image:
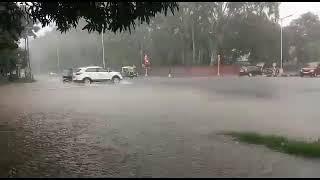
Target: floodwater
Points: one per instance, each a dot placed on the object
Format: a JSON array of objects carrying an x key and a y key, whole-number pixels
[{"x": 155, "y": 127}]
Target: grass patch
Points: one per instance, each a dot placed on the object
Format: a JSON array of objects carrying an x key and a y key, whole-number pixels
[{"x": 279, "y": 143}]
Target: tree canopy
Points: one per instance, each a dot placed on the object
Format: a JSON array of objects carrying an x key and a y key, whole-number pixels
[
  {"x": 187, "y": 37},
  {"x": 302, "y": 39},
  {"x": 99, "y": 16},
  {"x": 18, "y": 19},
  {"x": 193, "y": 35}
]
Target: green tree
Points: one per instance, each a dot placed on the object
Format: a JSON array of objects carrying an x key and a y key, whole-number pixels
[
  {"x": 220, "y": 15},
  {"x": 188, "y": 37},
  {"x": 99, "y": 16},
  {"x": 254, "y": 34},
  {"x": 302, "y": 35}
]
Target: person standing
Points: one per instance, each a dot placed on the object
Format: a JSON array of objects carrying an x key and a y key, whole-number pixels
[{"x": 146, "y": 64}]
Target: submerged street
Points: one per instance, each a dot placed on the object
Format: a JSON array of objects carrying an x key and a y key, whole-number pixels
[{"x": 155, "y": 127}]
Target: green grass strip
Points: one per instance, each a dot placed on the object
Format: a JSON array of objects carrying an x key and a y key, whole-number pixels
[{"x": 279, "y": 143}]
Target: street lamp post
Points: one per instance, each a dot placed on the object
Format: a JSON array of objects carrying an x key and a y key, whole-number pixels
[
  {"x": 103, "y": 60},
  {"x": 218, "y": 74},
  {"x": 58, "y": 61},
  {"x": 281, "y": 58}
]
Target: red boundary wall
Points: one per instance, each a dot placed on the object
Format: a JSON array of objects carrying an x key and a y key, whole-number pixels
[{"x": 225, "y": 70}]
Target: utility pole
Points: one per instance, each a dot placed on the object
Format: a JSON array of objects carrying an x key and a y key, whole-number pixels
[
  {"x": 281, "y": 58},
  {"x": 58, "y": 59},
  {"x": 26, "y": 57},
  {"x": 103, "y": 61},
  {"x": 141, "y": 53},
  {"x": 281, "y": 61},
  {"x": 218, "y": 65}
]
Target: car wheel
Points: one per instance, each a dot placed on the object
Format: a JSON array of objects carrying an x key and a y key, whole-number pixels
[
  {"x": 315, "y": 74},
  {"x": 87, "y": 81},
  {"x": 250, "y": 74},
  {"x": 116, "y": 80}
]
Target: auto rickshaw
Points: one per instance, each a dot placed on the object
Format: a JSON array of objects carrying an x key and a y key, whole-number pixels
[
  {"x": 67, "y": 75},
  {"x": 129, "y": 71}
]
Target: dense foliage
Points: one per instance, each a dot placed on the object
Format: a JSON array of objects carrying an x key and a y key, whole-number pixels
[
  {"x": 303, "y": 39},
  {"x": 99, "y": 16},
  {"x": 17, "y": 21},
  {"x": 194, "y": 35}
]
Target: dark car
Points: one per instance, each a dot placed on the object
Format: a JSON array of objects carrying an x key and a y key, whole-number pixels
[
  {"x": 271, "y": 72},
  {"x": 250, "y": 71},
  {"x": 311, "y": 69},
  {"x": 67, "y": 75},
  {"x": 261, "y": 68}
]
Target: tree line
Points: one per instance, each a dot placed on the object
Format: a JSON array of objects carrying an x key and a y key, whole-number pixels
[
  {"x": 18, "y": 19},
  {"x": 194, "y": 35}
]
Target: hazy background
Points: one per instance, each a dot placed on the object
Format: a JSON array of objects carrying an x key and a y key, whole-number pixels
[{"x": 167, "y": 42}]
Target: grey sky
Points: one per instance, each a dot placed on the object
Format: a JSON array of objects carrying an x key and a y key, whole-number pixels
[{"x": 297, "y": 8}]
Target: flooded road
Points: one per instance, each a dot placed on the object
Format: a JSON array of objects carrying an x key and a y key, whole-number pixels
[{"x": 155, "y": 127}]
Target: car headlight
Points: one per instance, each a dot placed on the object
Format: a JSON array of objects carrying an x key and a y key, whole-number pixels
[
  {"x": 243, "y": 68},
  {"x": 312, "y": 70}
]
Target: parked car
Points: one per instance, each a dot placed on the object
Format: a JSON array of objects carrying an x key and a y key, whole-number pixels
[
  {"x": 311, "y": 69},
  {"x": 271, "y": 72},
  {"x": 96, "y": 74},
  {"x": 250, "y": 71},
  {"x": 260, "y": 68}
]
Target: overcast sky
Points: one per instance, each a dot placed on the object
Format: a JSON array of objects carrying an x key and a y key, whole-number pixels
[
  {"x": 297, "y": 8},
  {"x": 286, "y": 8}
]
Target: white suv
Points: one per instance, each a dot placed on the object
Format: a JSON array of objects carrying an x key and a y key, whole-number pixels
[{"x": 95, "y": 74}]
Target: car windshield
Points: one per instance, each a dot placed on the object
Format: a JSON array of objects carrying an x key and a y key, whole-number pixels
[
  {"x": 67, "y": 72},
  {"x": 252, "y": 68},
  {"x": 260, "y": 64},
  {"x": 312, "y": 64},
  {"x": 102, "y": 70}
]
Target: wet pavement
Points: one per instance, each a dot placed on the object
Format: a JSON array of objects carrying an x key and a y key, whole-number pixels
[{"x": 155, "y": 127}]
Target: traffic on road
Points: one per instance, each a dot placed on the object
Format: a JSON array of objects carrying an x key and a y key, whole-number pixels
[{"x": 311, "y": 69}]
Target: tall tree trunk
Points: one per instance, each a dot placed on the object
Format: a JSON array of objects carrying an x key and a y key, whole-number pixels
[
  {"x": 18, "y": 72},
  {"x": 26, "y": 58},
  {"x": 28, "y": 55},
  {"x": 220, "y": 37},
  {"x": 141, "y": 53},
  {"x": 183, "y": 57},
  {"x": 58, "y": 61},
  {"x": 25, "y": 49},
  {"x": 169, "y": 63},
  {"x": 213, "y": 56},
  {"x": 193, "y": 44},
  {"x": 199, "y": 57}
]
